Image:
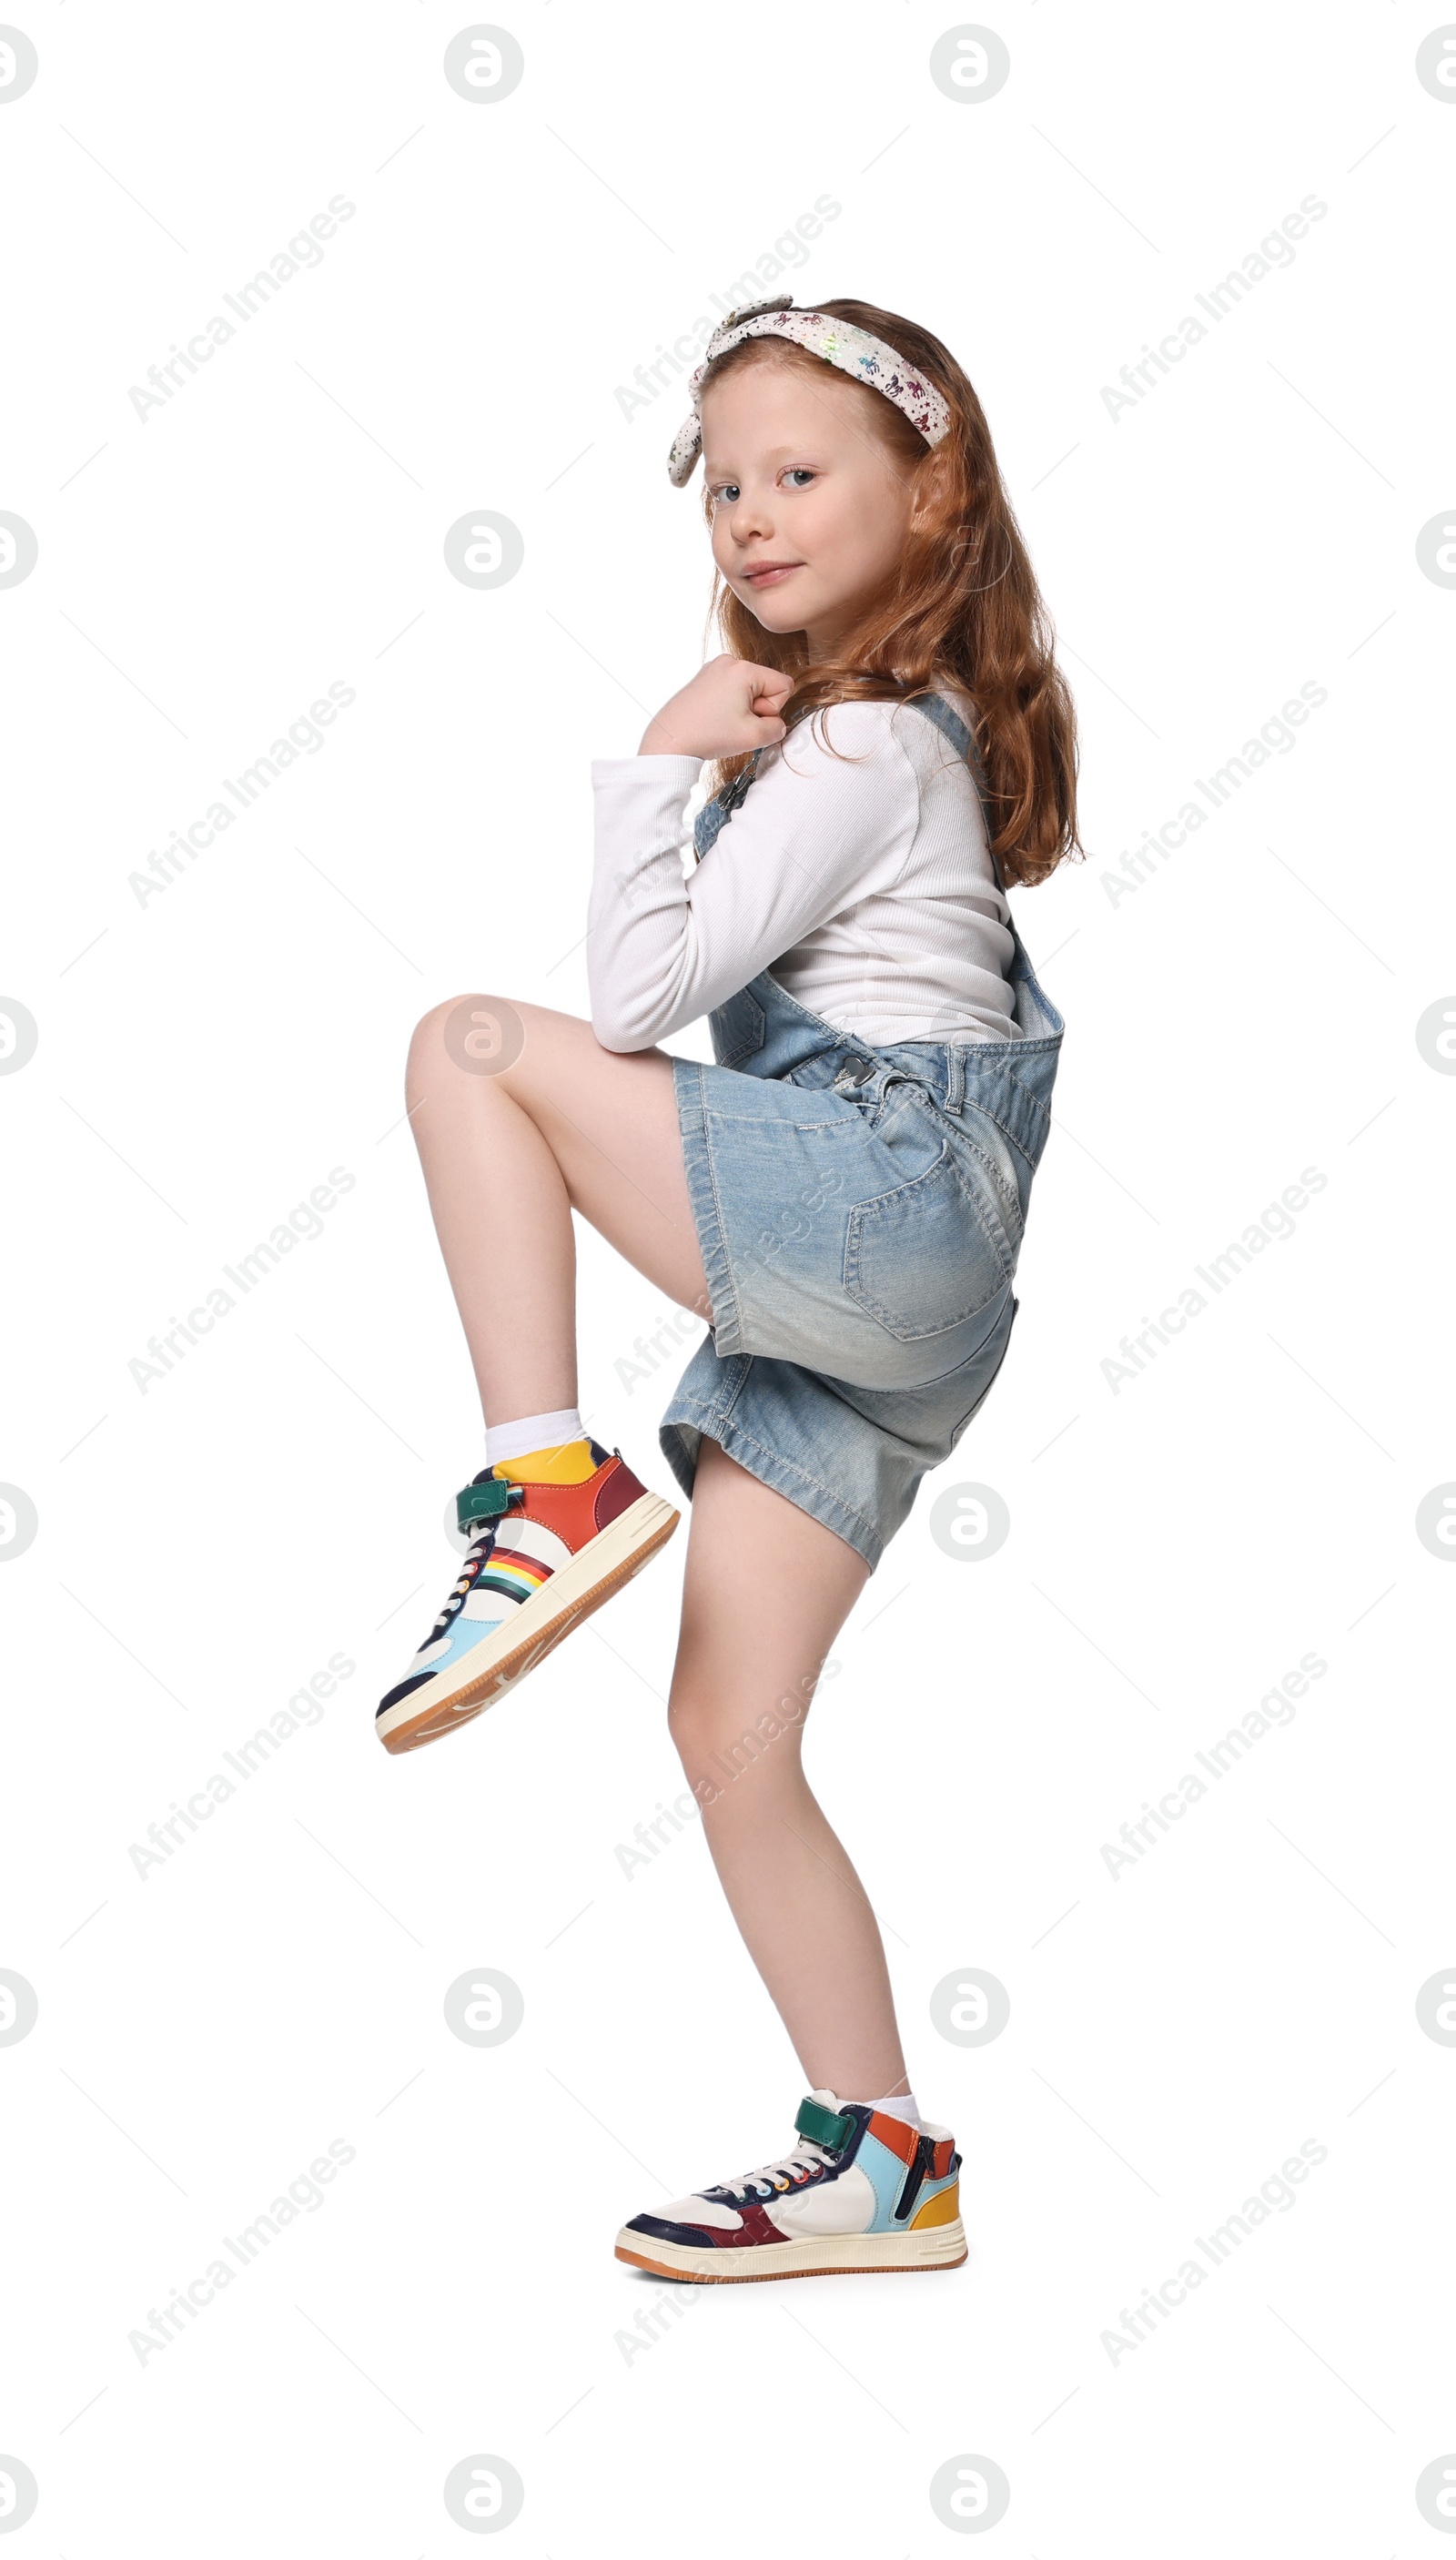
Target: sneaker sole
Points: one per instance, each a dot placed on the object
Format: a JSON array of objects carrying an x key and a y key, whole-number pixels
[
  {"x": 534, "y": 1629},
  {"x": 870, "y": 2252}
]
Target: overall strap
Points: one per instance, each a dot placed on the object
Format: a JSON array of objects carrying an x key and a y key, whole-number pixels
[
  {"x": 712, "y": 819},
  {"x": 715, "y": 815},
  {"x": 951, "y": 727}
]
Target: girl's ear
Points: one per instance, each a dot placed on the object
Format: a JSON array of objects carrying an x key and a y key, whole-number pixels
[{"x": 929, "y": 487}]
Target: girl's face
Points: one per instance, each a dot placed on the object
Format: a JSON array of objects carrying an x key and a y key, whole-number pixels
[{"x": 810, "y": 510}]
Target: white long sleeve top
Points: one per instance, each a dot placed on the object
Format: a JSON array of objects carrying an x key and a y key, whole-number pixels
[{"x": 857, "y": 870}]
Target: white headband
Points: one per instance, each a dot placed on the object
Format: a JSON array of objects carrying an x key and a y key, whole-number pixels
[{"x": 865, "y": 359}]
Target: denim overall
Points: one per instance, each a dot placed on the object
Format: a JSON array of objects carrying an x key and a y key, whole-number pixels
[{"x": 859, "y": 1212}]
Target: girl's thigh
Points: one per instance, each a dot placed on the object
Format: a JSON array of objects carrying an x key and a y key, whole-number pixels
[
  {"x": 612, "y": 1123},
  {"x": 756, "y": 1669}
]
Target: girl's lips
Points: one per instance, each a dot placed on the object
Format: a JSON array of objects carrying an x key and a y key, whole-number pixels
[{"x": 771, "y": 572}]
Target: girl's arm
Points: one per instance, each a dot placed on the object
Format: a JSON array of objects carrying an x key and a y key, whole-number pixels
[{"x": 662, "y": 949}]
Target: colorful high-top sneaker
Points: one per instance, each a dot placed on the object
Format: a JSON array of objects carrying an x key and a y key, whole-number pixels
[
  {"x": 859, "y": 2191},
  {"x": 544, "y": 1557}
]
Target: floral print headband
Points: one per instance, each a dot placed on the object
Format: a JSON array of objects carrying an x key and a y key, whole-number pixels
[{"x": 865, "y": 359}]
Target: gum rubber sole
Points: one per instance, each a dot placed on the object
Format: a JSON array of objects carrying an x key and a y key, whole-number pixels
[
  {"x": 850, "y": 2255},
  {"x": 613, "y": 1557}
]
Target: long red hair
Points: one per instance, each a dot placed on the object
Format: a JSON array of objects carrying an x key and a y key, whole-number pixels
[{"x": 965, "y": 609}]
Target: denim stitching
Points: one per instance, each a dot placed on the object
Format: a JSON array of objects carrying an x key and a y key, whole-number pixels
[
  {"x": 1032, "y": 1097},
  {"x": 747, "y": 1049},
  {"x": 995, "y": 1173},
  {"x": 841, "y": 1122},
  {"x": 997, "y": 1240},
  {"x": 786, "y": 1465},
  {"x": 717, "y": 1267}
]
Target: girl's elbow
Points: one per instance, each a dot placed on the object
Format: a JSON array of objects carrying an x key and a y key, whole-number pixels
[{"x": 618, "y": 1032}]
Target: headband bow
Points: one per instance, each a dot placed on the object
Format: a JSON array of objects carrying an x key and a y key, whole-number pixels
[{"x": 865, "y": 359}]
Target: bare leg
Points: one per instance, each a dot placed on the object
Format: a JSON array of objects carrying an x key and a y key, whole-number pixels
[
  {"x": 508, "y": 1155},
  {"x": 802, "y": 1910}
]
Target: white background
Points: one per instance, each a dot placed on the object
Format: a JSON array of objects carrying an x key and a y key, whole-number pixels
[{"x": 206, "y": 1058}]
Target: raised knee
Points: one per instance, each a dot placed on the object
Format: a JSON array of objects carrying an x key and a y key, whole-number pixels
[
  {"x": 479, "y": 1034},
  {"x": 429, "y": 1031}
]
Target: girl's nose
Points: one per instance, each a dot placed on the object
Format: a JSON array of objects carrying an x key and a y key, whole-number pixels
[{"x": 753, "y": 518}]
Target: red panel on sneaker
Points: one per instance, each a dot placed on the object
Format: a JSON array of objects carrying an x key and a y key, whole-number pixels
[{"x": 619, "y": 1486}]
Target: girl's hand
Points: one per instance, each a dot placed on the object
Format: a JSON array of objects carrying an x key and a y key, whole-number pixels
[{"x": 730, "y": 707}]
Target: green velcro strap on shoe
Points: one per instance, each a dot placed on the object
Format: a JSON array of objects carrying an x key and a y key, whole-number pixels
[
  {"x": 831, "y": 2132},
  {"x": 482, "y": 1503}
]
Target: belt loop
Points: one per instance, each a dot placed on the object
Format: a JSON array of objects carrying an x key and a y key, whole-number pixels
[{"x": 955, "y": 1075}]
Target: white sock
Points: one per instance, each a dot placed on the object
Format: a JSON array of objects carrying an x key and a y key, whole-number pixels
[
  {"x": 904, "y": 2108},
  {"x": 505, "y": 1440}
]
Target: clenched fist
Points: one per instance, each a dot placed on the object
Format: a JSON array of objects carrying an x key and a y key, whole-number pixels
[{"x": 730, "y": 707}]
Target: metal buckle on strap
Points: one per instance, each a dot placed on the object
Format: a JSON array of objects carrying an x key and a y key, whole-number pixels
[
  {"x": 854, "y": 1072},
  {"x": 734, "y": 793}
]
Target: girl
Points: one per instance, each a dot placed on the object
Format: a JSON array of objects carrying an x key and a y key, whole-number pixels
[{"x": 841, "y": 1195}]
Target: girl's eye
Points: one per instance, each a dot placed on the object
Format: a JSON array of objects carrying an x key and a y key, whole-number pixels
[
  {"x": 799, "y": 478},
  {"x": 725, "y": 492}
]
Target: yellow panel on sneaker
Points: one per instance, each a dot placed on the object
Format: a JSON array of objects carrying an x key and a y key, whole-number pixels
[
  {"x": 570, "y": 1464},
  {"x": 944, "y": 2207}
]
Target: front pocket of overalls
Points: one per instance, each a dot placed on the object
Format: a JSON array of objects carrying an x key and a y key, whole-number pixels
[
  {"x": 928, "y": 1255},
  {"x": 737, "y": 1028}
]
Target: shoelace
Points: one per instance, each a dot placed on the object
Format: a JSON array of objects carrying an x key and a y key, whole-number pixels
[
  {"x": 778, "y": 2175},
  {"x": 475, "y": 1556}
]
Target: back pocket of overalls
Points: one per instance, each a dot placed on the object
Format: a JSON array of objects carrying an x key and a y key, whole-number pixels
[{"x": 922, "y": 1258}]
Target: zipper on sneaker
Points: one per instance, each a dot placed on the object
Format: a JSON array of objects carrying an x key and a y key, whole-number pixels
[{"x": 915, "y": 2177}]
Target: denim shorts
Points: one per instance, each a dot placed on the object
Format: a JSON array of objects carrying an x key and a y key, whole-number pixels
[{"x": 859, "y": 1213}]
